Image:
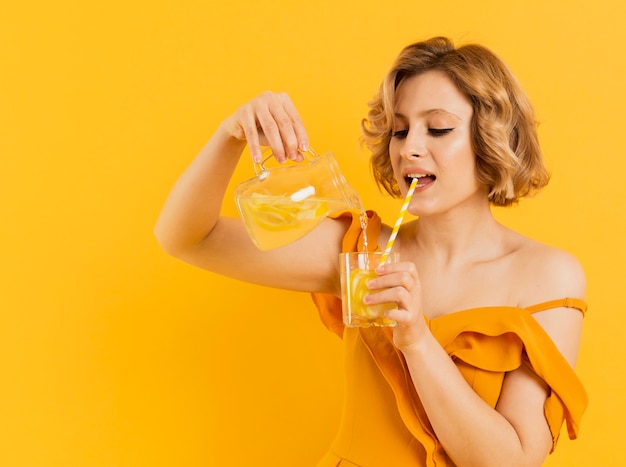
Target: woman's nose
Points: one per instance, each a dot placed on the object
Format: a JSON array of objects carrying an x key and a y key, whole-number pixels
[{"x": 413, "y": 146}]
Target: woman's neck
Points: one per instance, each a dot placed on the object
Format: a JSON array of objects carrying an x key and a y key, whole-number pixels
[{"x": 460, "y": 236}]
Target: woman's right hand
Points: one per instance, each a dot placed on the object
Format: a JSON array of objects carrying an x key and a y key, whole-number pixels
[{"x": 271, "y": 120}]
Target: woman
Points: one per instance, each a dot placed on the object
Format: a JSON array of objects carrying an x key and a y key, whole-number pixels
[{"x": 479, "y": 368}]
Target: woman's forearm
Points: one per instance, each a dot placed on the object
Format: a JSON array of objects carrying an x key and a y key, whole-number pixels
[
  {"x": 193, "y": 206},
  {"x": 471, "y": 432}
]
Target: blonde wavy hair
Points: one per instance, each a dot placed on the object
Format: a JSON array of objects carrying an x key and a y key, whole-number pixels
[{"x": 504, "y": 136}]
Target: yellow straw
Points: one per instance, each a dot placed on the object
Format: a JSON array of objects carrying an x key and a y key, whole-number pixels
[{"x": 396, "y": 227}]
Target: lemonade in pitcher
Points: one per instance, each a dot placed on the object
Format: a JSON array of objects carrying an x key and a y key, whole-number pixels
[
  {"x": 282, "y": 204},
  {"x": 276, "y": 221}
]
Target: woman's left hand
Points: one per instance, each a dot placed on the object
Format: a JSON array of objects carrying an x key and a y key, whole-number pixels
[{"x": 400, "y": 283}]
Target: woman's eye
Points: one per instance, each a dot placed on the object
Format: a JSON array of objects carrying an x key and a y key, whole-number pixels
[
  {"x": 439, "y": 131},
  {"x": 400, "y": 134}
]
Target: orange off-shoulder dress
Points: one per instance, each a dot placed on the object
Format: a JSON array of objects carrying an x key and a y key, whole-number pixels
[{"x": 383, "y": 422}]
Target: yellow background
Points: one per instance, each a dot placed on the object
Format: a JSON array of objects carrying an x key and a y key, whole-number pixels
[{"x": 113, "y": 354}]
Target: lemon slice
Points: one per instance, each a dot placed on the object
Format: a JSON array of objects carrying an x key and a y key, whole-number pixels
[
  {"x": 280, "y": 212},
  {"x": 358, "y": 280}
]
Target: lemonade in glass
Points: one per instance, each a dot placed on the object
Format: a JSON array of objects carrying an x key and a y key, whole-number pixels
[{"x": 356, "y": 270}]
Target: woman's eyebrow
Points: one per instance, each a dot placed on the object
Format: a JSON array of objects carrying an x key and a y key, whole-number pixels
[{"x": 429, "y": 112}]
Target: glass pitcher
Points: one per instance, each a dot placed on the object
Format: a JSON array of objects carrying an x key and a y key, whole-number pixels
[{"x": 282, "y": 204}]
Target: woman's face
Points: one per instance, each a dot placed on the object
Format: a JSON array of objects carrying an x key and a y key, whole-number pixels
[{"x": 431, "y": 140}]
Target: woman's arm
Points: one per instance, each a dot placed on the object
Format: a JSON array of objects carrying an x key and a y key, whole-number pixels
[
  {"x": 473, "y": 433},
  {"x": 191, "y": 228}
]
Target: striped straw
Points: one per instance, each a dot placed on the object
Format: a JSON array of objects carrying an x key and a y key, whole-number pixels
[{"x": 396, "y": 227}]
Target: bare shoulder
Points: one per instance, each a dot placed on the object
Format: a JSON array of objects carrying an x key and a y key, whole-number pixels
[{"x": 549, "y": 273}]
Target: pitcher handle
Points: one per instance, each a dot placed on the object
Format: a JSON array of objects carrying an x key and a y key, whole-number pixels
[{"x": 259, "y": 167}]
